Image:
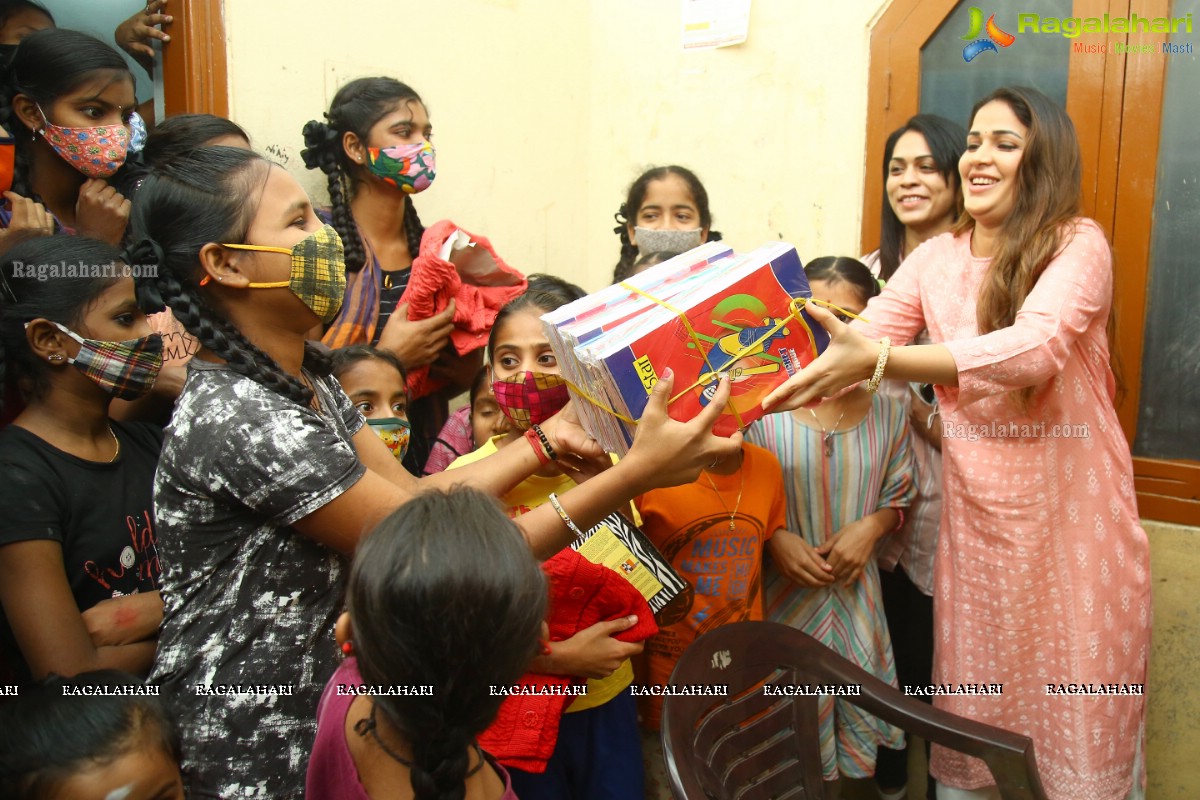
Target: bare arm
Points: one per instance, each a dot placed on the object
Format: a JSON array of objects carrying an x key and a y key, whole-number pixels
[
  {"x": 46, "y": 622},
  {"x": 664, "y": 453},
  {"x": 125, "y": 620}
]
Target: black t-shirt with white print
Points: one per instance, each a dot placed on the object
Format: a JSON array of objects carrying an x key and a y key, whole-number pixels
[
  {"x": 249, "y": 601},
  {"x": 100, "y": 513}
]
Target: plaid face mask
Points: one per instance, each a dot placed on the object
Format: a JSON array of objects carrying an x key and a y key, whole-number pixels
[
  {"x": 408, "y": 167},
  {"x": 97, "y": 152},
  {"x": 126, "y": 370},
  {"x": 531, "y": 398},
  {"x": 394, "y": 432},
  {"x": 318, "y": 271}
]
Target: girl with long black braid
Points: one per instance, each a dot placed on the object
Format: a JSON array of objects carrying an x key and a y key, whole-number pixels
[
  {"x": 376, "y": 152},
  {"x": 269, "y": 476},
  {"x": 443, "y": 558}
]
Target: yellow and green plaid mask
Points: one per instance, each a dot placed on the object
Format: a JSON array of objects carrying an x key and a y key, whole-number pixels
[{"x": 318, "y": 271}]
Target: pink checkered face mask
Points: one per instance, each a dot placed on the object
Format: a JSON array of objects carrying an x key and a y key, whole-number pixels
[
  {"x": 97, "y": 152},
  {"x": 531, "y": 398}
]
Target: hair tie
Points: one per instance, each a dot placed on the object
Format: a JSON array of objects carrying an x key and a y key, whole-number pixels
[{"x": 318, "y": 137}]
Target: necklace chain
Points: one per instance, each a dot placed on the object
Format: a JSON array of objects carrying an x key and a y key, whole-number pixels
[
  {"x": 741, "y": 487},
  {"x": 116, "y": 442},
  {"x": 827, "y": 436}
]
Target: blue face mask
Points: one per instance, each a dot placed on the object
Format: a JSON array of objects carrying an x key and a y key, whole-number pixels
[
  {"x": 394, "y": 432},
  {"x": 137, "y": 132}
]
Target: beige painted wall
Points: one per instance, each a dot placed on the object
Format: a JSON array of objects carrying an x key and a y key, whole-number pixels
[{"x": 544, "y": 112}]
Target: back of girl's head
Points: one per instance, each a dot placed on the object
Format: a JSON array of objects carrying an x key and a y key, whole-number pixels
[
  {"x": 208, "y": 195},
  {"x": 48, "y": 64},
  {"x": 30, "y": 291},
  {"x": 445, "y": 592},
  {"x": 181, "y": 134},
  {"x": 356, "y": 108},
  {"x": 52, "y": 731},
  {"x": 541, "y": 300},
  {"x": 552, "y": 284},
  {"x": 843, "y": 269},
  {"x": 947, "y": 140},
  {"x": 346, "y": 357},
  {"x": 627, "y": 214}
]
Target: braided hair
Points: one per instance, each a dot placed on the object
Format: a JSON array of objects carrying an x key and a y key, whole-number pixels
[
  {"x": 626, "y": 215},
  {"x": 186, "y": 203},
  {"x": 46, "y": 65},
  {"x": 415, "y": 591},
  {"x": 356, "y": 108}
]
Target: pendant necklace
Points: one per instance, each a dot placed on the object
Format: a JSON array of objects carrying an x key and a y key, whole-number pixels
[
  {"x": 827, "y": 436},
  {"x": 741, "y": 486}
]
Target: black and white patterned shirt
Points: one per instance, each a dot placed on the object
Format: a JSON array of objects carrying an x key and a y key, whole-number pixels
[{"x": 249, "y": 601}]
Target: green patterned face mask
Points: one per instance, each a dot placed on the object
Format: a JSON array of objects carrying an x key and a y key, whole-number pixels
[{"x": 318, "y": 271}]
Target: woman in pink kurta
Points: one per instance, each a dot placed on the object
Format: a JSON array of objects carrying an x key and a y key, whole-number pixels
[{"x": 1042, "y": 572}]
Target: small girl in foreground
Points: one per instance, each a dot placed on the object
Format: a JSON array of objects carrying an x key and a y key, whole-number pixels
[
  {"x": 442, "y": 558},
  {"x": 847, "y": 471},
  {"x": 64, "y": 738}
]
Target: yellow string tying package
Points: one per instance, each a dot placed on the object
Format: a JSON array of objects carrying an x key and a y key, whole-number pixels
[{"x": 794, "y": 308}]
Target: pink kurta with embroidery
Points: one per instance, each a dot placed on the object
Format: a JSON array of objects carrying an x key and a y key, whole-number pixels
[{"x": 1042, "y": 574}]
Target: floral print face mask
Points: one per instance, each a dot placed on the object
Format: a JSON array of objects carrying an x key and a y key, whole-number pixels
[{"x": 97, "y": 152}]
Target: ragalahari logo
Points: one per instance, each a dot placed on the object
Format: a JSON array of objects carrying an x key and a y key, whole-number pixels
[{"x": 994, "y": 37}]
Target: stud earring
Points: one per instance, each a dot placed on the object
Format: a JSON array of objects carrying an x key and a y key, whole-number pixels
[
  {"x": 56, "y": 357},
  {"x": 347, "y": 648}
]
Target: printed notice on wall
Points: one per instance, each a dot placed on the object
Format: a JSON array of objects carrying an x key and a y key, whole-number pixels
[{"x": 714, "y": 23}]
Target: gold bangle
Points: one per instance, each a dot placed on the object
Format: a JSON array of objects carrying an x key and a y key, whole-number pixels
[{"x": 885, "y": 349}]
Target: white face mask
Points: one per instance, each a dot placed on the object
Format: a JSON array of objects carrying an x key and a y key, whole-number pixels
[{"x": 650, "y": 240}]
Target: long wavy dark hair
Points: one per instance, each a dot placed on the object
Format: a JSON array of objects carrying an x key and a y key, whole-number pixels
[{"x": 356, "y": 108}]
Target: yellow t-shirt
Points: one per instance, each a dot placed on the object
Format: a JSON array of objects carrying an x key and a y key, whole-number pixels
[{"x": 521, "y": 499}]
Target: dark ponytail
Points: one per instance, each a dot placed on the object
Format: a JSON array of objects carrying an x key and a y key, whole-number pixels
[
  {"x": 414, "y": 594},
  {"x": 356, "y": 108},
  {"x": 46, "y": 65},
  {"x": 193, "y": 200}
]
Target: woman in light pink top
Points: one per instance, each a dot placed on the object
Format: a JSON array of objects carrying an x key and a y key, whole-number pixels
[
  {"x": 1042, "y": 577},
  {"x": 446, "y": 604}
]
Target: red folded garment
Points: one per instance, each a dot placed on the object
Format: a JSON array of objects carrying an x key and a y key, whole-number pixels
[
  {"x": 477, "y": 279},
  {"x": 525, "y": 731}
]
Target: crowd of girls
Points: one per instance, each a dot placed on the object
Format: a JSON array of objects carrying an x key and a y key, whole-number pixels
[{"x": 209, "y": 469}]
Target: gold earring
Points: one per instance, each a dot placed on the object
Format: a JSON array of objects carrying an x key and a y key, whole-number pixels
[{"x": 56, "y": 357}]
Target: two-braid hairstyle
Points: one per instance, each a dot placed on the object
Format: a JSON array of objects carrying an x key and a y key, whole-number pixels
[
  {"x": 356, "y": 108},
  {"x": 207, "y": 196},
  {"x": 444, "y": 593},
  {"x": 626, "y": 215},
  {"x": 46, "y": 65}
]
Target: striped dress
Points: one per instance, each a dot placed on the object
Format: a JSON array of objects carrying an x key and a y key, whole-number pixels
[{"x": 870, "y": 468}]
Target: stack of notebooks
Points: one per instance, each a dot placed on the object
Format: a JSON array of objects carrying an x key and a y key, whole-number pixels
[{"x": 613, "y": 345}]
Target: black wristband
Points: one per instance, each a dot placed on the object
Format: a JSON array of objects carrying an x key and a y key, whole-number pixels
[{"x": 541, "y": 434}]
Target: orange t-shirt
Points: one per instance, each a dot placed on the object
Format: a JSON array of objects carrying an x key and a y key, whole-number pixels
[{"x": 723, "y": 568}]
